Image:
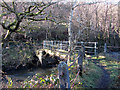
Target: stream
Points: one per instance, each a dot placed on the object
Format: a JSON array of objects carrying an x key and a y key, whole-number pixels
[{"x": 20, "y": 76}]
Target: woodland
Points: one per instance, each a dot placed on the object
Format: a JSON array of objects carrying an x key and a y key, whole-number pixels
[{"x": 25, "y": 25}]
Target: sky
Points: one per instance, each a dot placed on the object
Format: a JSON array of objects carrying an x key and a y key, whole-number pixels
[{"x": 111, "y": 1}]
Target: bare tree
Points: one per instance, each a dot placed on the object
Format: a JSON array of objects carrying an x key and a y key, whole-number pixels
[
  {"x": 119, "y": 17},
  {"x": 70, "y": 32},
  {"x": 30, "y": 11}
]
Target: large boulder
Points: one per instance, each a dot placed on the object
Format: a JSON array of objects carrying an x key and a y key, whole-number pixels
[{"x": 46, "y": 60}]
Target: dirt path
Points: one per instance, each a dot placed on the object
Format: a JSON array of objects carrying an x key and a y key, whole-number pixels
[
  {"x": 115, "y": 55},
  {"x": 104, "y": 81}
]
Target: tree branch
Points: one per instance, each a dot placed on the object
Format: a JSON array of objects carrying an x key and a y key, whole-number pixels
[
  {"x": 29, "y": 14},
  {"x": 7, "y": 7}
]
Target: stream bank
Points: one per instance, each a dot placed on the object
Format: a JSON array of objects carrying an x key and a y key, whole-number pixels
[
  {"x": 21, "y": 72},
  {"x": 41, "y": 59}
]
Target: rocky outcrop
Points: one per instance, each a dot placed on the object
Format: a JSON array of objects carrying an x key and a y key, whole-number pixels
[{"x": 47, "y": 60}]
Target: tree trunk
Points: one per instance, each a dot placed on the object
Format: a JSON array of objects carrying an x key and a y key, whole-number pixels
[
  {"x": 119, "y": 17},
  {"x": 70, "y": 33}
]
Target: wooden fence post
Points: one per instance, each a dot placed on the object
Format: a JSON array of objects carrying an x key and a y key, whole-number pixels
[
  {"x": 81, "y": 55},
  {"x": 58, "y": 45},
  {"x": 44, "y": 44},
  {"x": 54, "y": 44},
  {"x": 105, "y": 48},
  {"x": 51, "y": 45},
  {"x": 64, "y": 75},
  {"x": 61, "y": 45},
  {"x": 83, "y": 49},
  {"x": 95, "y": 47},
  {"x": 80, "y": 61}
]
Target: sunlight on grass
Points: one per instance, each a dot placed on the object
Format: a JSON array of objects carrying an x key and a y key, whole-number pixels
[
  {"x": 94, "y": 58},
  {"x": 91, "y": 77},
  {"x": 101, "y": 57},
  {"x": 63, "y": 51},
  {"x": 112, "y": 66},
  {"x": 102, "y": 61},
  {"x": 88, "y": 56}
]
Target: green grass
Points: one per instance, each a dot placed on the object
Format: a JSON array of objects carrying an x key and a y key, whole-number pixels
[
  {"x": 92, "y": 75},
  {"x": 112, "y": 66}
]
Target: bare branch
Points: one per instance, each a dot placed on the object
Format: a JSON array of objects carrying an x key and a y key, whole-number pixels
[
  {"x": 7, "y": 6},
  {"x": 88, "y": 3}
]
